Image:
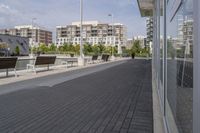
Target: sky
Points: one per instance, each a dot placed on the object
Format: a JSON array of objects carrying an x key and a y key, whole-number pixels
[{"x": 51, "y": 13}]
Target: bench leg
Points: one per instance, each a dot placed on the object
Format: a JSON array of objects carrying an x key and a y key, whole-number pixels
[
  {"x": 48, "y": 67},
  {"x": 15, "y": 72},
  {"x": 6, "y": 72},
  {"x": 65, "y": 63},
  {"x": 34, "y": 69}
]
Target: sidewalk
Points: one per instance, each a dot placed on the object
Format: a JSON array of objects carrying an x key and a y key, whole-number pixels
[
  {"x": 56, "y": 75},
  {"x": 27, "y": 74},
  {"x": 116, "y": 98}
]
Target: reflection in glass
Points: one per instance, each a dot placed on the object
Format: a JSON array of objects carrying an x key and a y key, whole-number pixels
[
  {"x": 161, "y": 41},
  {"x": 180, "y": 68}
]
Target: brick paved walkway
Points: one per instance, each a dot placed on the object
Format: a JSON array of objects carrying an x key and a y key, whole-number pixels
[{"x": 115, "y": 100}]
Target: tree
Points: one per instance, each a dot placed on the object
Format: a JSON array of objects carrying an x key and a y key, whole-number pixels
[
  {"x": 61, "y": 48},
  {"x": 43, "y": 48},
  {"x": 71, "y": 48},
  {"x": 136, "y": 48},
  {"x": 87, "y": 48},
  {"x": 52, "y": 47},
  {"x": 108, "y": 50},
  {"x": 17, "y": 50},
  {"x": 171, "y": 52},
  {"x": 34, "y": 49},
  {"x": 96, "y": 49},
  {"x": 77, "y": 49},
  {"x": 115, "y": 49},
  {"x": 102, "y": 48}
]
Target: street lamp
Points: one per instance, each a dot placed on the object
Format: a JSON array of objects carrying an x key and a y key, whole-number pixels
[
  {"x": 32, "y": 24},
  {"x": 112, "y": 17},
  {"x": 81, "y": 58}
]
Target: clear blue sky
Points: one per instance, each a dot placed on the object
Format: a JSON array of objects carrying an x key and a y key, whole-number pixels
[{"x": 50, "y": 13}]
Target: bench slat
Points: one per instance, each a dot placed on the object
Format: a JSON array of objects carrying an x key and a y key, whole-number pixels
[
  {"x": 45, "y": 60},
  {"x": 6, "y": 63}
]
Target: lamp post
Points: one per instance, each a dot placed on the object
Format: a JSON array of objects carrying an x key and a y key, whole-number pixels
[
  {"x": 112, "y": 17},
  {"x": 81, "y": 58},
  {"x": 8, "y": 50},
  {"x": 32, "y": 24}
]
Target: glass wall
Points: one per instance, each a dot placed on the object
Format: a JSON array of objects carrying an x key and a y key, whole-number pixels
[
  {"x": 174, "y": 34},
  {"x": 180, "y": 67},
  {"x": 161, "y": 48}
]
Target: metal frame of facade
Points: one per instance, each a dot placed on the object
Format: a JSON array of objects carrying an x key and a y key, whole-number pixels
[
  {"x": 196, "y": 91},
  {"x": 156, "y": 60}
]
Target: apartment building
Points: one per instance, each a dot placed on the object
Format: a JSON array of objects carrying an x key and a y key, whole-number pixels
[
  {"x": 36, "y": 34},
  {"x": 93, "y": 33},
  {"x": 142, "y": 39},
  {"x": 149, "y": 25}
]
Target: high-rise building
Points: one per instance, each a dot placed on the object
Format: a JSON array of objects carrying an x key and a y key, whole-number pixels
[
  {"x": 142, "y": 39},
  {"x": 93, "y": 33},
  {"x": 37, "y": 35},
  {"x": 149, "y": 24}
]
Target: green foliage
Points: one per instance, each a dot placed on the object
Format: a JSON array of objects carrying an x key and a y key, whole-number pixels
[
  {"x": 43, "y": 48},
  {"x": 138, "y": 50},
  {"x": 115, "y": 50},
  {"x": 108, "y": 50},
  {"x": 17, "y": 50},
  {"x": 96, "y": 49},
  {"x": 34, "y": 49},
  {"x": 77, "y": 49},
  {"x": 171, "y": 52},
  {"x": 102, "y": 48},
  {"x": 87, "y": 48},
  {"x": 71, "y": 48},
  {"x": 52, "y": 47}
]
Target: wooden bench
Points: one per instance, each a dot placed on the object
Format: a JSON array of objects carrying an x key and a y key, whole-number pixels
[
  {"x": 42, "y": 60},
  {"x": 105, "y": 57},
  {"x": 8, "y": 63},
  {"x": 70, "y": 61},
  {"x": 93, "y": 59}
]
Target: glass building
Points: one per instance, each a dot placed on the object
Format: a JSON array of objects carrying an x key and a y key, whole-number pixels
[{"x": 176, "y": 61}]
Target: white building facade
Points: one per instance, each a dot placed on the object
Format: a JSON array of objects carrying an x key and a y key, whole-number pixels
[
  {"x": 37, "y": 35},
  {"x": 94, "y": 33}
]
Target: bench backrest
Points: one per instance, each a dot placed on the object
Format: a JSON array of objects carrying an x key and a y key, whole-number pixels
[
  {"x": 105, "y": 57},
  {"x": 45, "y": 60},
  {"x": 94, "y": 57},
  {"x": 6, "y": 63}
]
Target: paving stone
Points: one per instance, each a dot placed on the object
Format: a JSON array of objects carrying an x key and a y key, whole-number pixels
[{"x": 117, "y": 99}]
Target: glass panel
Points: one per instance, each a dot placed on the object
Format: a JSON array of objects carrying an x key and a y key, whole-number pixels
[
  {"x": 161, "y": 40},
  {"x": 161, "y": 49},
  {"x": 180, "y": 68}
]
